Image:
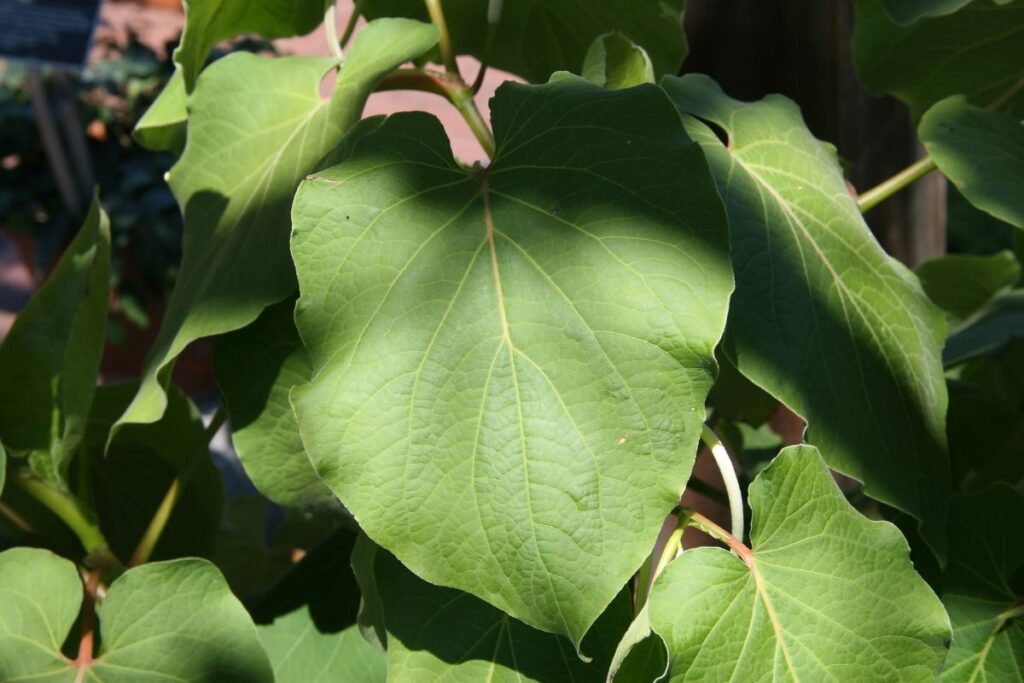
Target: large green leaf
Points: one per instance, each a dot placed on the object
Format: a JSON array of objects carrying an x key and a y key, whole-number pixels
[
  {"x": 961, "y": 284},
  {"x": 982, "y": 586},
  {"x": 538, "y": 37},
  {"x": 974, "y": 51},
  {"x": 981, "y": 152},
  {"x": 444, "y": 635},
  {"x": 988, "y": 330},
  {"x": 165, "y": 621},
  {"x": 823, "y": 319},
  {"x": 50, "y": 359},
  {"x": 823, "y": 594},
  {"x": 300, "y": 653},
  {"x": 256, "y": 368},
  {"x": 511, "y": 363},
  {"x": 257, "y": 127}
]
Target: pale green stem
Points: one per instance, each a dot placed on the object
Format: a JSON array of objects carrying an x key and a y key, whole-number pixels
[
  {"x": 445, "y": 39},
  {"x": 156, "y": 525},
  {"x": 331, "y": 31},
  {"x": 699, "y": 521},
  {"x": 650, "y": 571},
  {"x": 493, "y": 19},
  {"x": 887, "y": 188},
  {"x": 350, "y": 27},
  {"x": 462, "y": 98},
  {"x": 732, "y": 484},
  {"x": 68, "y": 509}
]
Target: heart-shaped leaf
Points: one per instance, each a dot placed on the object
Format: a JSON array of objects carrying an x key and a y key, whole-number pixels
[
  {"x": 299, "y": 653},
  {"x": 823, "y": 319},
  {"x": 823, "y": 594},
  {"x": 50, "y": 359},
  {"x": 162, "y": 621},
  {"x": 510, "y": 364},
  {"x": 257, "y": 127}
]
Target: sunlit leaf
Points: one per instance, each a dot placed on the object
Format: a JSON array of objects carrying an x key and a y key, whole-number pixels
[
  {"x": 615, "y": 62},
  {"x": 300, "y": 653}
]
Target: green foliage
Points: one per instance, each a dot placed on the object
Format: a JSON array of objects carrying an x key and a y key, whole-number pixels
[{"x": 472, "y": 396}]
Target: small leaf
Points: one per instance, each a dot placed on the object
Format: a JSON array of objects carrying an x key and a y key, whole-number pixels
[
  {"x": 257, "y": 127},
  {"x": 615, "y": 62},
  {"x": 468, "y": 640},
  {"x": 823, "y": 594},
  {"x": 163, "y": 127},
  {"x": 51, "y": 357},
  {"x": 511, "y": 364},
  {"x": 640, "y": 656},
  {"x": 300, "y": 653},
  {"x": 823, "y": 319},
  {"x": 961, "y": 284},
  {"x": 256, "y": 368},
  {"x": 981, "y": 152},
  {"x": 988, "y": 330},
  {"x": 169, "y": 620},
  {"x": 981, "y": 586},
  {"x": 536, "y": 38},
  {"x": 974, "y": 51}
]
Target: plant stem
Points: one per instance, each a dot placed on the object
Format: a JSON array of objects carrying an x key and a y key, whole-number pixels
[
  {"x": 87, "y": 643},
  {"x": 68, "y": 509},
  {"x": 732, "y": 484},
  {"x": 219, "y": 416},
  {"x": 494, "y": 8},
  {"x": 699, "y": 521},
  {"x": 156, "y": 525},
  {"x": 650, "y": 571},
  {"x": 353, "y": 19},
  {"x": 891, "y": 186},
  {"x": 445, "y": 40},
  {"x": 451, "y": 88},
  {"x": 705, "y": 489},
  {"x": 331, "y": 31}
]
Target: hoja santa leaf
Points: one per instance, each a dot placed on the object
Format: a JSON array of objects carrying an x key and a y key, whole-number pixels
[
  {"x": 615, "y": 62},
  {"x": 510, "y": 364},
  {"x": 50, "y": 359},
  {"x": 163, "y": 126},
  {"x": 823, "y": 319},
  {"x": 469, "y": 641},
  {"x": 961, "y": 284},
  {"x": 974, "y": 51},
  {"x": 823, "y": 594},
  {"x": 164, "y": 621},
  {"x": 988, "y": 330},
  {"x": 982, "y": 587},
  {"x": 535, "y": 38},
  {"x": 981, "y": 152},
  {"x": 256, "y": 369},
  {"x": 257, "y": 127},
  {"x": 300, "y": 653}
]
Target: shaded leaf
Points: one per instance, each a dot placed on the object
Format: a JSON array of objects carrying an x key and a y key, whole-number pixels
[
  {"x": 640, "y": 656},
  {"x": 908, "y": 11},
  {"x": 961, "y": 284},
  {"x": 974, "y": 51},
  {"x": 50, "y": 359},
  {"x": 299, "y": 653},
  {"x": 823, "y": 318},
  {"x": 615, "y": 62},
  {"x": 981, "y": 152},
  {"x": 511, "y": 364},
  {"x": 257, "y": 127},
  {"x": 535, "y": 38},
  {"x": 982, "y": 588},
  {"x": 823, "y": 594},
  {"x": 988, "y": 330},
  {"x": 256, "y": 368},
  {"x": 734, "y": 397},
  {"x": 170, "y": 620}
]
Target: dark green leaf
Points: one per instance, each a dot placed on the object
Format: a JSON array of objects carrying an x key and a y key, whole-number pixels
[
  {"x": 822, "y": 317},
  {"x": 823, "y": 594},
  {"x": 734, "y": 397},
  {"x": 974, "y": 51},
  {"x": 256, "y": 368},
  {"x": 165, "y": 621},
  {"x": 538, "y": 37},
  {"x": 988, "y": 330},
  {"x": 511, "y": 364},
  {"x": 257, "y": 127},
  {"x": 50, "y": 359},
  {"x": 982, "y": 588},
  {"x": 981, "y": 152},
  {"x": 908, "y": 11},
  {"x": 961, "y": 284}
]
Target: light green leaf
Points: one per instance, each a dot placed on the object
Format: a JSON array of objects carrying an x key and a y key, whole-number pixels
[
  {"x": 208, "y": 22},
  {"x": 974, "y": 51},
  {"x": 981, "y": 586},
  {"x": 469, "y": 641},
  {"x": 257, "y": 127},
  {"x": 300, "y": 653},
  {"x": 163, "y": 621},
  {"x": 988, "y": 330},
  {"x": 823, "y": 319},
  {"x": 51, "y": 357},
  {"x": 615, "y": 62},
  {"x": 256, "y": 368},
  {"x": 511, "y": 364},
  {"x": 823, "y": 594},
  {"x": 961, "y": 284},
  {"x": 981, "y": 152},
  {"x": 163, "y": 126},
  {"x": 535, "y": 38}
]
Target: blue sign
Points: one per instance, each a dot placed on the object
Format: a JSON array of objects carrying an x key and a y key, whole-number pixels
[{"x": 57, "y": 32}]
